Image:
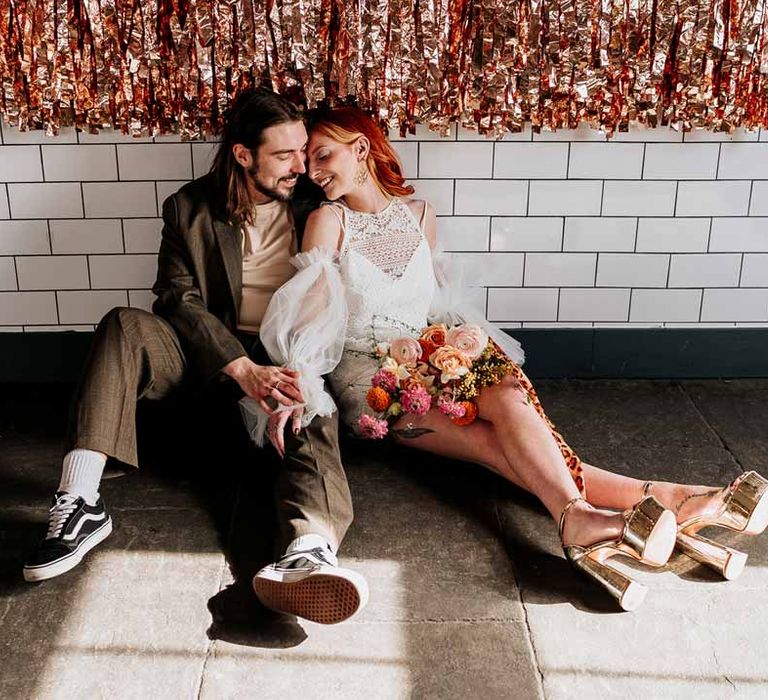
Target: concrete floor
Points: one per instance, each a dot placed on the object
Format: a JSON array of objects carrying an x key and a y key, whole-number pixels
[{"x": 470, "y": 595}]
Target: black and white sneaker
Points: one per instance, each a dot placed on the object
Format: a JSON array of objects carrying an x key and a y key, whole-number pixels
[
  {"x": 74, "y": 528},
  {"x": 309, "y": 584}
]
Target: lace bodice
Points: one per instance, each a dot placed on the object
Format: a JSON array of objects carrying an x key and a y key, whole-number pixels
[{"x": 386, "y": 266}]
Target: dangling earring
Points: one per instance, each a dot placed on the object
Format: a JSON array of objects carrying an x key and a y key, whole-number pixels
[{"x": 361, "y": 175}]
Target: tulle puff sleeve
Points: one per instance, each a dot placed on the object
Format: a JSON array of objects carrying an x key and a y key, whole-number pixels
[
  {"x": 450, "y": 305},
  {"x": 303, "y": 328}
]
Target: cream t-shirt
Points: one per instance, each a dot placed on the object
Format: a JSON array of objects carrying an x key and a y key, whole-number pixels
[{"x": 268, "y": 245}]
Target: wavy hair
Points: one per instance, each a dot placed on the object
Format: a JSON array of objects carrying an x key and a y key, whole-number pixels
[{"x": 345, "y": 124}]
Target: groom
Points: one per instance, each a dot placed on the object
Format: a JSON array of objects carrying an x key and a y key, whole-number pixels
[{"x": 226, "y": 243}]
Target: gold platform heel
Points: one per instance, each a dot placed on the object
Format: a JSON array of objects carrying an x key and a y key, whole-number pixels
[
  {"x": 648, "y": 536},
  {"x": 745, "y": 509}
]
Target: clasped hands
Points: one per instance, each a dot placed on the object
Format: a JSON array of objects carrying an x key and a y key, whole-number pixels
[{"x": 263, "y": 382}]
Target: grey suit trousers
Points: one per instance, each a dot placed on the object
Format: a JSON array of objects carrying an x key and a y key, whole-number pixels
[{"x": 135, "y": 355}]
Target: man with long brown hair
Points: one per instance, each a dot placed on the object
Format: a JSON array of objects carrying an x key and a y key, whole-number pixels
[{"x": 226, "y": 243}]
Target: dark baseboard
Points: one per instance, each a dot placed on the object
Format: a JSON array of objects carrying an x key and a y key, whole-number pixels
[{"x": 668, "y": 353}]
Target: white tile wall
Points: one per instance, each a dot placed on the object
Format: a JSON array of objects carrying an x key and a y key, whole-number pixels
[
  {"x": 705, "y": 270},
  {"x": 86, "y": 236},
  {"x": 596, "y": 234},
  {"x": 24, "y": 237},
  {"x": 606, "y": 160},
  {"x": 465, "y": 160},
  {"x": 527, "y": 233},
  {"x": 565, "y": 229}
]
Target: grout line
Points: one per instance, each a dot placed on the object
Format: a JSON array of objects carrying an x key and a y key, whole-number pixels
[
  {"x": 557, "y": 312},
  {"x": 42, "y": 164},
  {"x": 493, "y": 160},
  {"x": 122, "y": 235},
  {"x": 88, "y": 268},
  {"x": 669, "y": 269},
  {"x": 50, "y": 237},
  {"x": 8, "y": 199},
  {"x": 58, "y": 313},
  {"x": 717, "y": 167},
  {"x": 602, "y": 197},
  {"x": 568, "y": 163},
  {"x": 642, "y": 164},
  {"x": 749, "y": 202},
  {"x": 418, "y": 159},
  {"x": 709, "y": 233},
  {"x": 674, "y": 206},
  {"x": 82, "y": 199},
  {"x": 741, "y": 269},
  {"x": 16, "y": 272},
  {"x": 701, "y": 305},
  {"x": 117, "y": 163}
]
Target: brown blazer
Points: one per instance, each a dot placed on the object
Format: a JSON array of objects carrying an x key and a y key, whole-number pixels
[{"x": 200, "y": 272}]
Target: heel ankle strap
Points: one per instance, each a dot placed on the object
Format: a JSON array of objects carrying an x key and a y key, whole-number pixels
[{"x": 566, "y": 508}]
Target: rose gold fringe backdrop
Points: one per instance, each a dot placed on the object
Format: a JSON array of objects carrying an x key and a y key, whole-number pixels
[{"x": 491, "y": 65}]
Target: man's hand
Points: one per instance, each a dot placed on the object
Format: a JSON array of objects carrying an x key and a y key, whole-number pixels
[{"x": 261, "y": 382}]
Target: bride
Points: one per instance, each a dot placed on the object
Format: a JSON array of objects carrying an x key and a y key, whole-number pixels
[{"x": 368, "y": 255}]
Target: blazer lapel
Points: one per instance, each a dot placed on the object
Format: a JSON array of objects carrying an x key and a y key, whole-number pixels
[{"x": 230, "y": 244}]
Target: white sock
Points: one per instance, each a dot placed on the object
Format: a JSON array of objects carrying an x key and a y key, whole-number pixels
[
  {"x": 305, "y": 542},
  {"x": 81, "y": 474}
]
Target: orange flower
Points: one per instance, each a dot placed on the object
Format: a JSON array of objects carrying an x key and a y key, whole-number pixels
[
  {"x": 435, "y": 334},
  {"x": 452, "y": 363},
  {"x": 469, "y": 416},
  {"x": 378, "y": 399}
]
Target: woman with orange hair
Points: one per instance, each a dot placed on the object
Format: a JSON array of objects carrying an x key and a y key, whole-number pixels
[{"x": 383, "y": 240}]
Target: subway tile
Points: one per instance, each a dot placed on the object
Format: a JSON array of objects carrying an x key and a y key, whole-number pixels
[
  {"x": 640, "y": 133},
  {"x": 632, "y": 270},
  {"x": 76, "y": 163},
  {"x": 638, "y": 198},
  {"x": 455, "y": 159},
  {"x": 583, "y": 132},
  {"x": 49, "y": 200},
  {"x": 513, "y": 305},
  {"x": 142, "y": 235},
  {"x": 27, "y": 307},
  {"x": 650, "y": 305},
  {"x": 86, "y": 236},
  {"x": 89, "y": 307},
  {"x": 672, "y": 235},
  {"x": 530, "y": 160},
  {"x": 476, "y": 297},
  {"x": 34, "y": 136},
  {"x": 424, "y": 133},
  {"x": 705, "y": 135},
  {"x": 560, "y": 269},
  {"x": 123, "y": 271},
  {"x": 734, "y": 305},
  {"x": 463, "y": 232},
  {"x": 439, "y": 193},
  {"x": 535, "y": 233},
  {"x": 705, "y": 270},
  {"x": 619, "y": 324},
  {"x": 586, "y": 233},
  {"x": 52, "y": 272},
  {"x": 104, "y": 200},
  {"x": 29, "y": 237},
  {"x": 141, "y": 299},
  {"x": 565, "y": 198},
  {"x": 763, "y": 135},
  {"x": 739, "y": 234},
  {"x": 722, "y": 198},
  {"x": 594, "y": 304},
  {"x": 743, "y": 161},
  {"x": 7, "y": 275},
  {"x": 165, "y": 189},
  {"x": 491, "y": 269},
  {"x": 557, "y": 324},
  {"x": 154, "y": 161},
  {"x": 678, "y": 161},
  {"x": 759, "y": 201},
  {"x": 110, "y": 135},
  {"x": 408, "y": 153},
  {"x": 755, "y": 270},
  {"x": 202, "y": 157},
  {"x": 20, "y": 164},
  {"x": 491, "y": 197},
  {"x": 606, "y": 160}
]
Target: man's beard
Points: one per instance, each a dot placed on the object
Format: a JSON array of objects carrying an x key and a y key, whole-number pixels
[{"x": 253, "y": 173}]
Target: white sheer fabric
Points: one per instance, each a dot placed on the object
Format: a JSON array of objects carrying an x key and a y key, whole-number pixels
[
  {"x": 303, "y": 328},
  {"x": 328, "y": 318}
]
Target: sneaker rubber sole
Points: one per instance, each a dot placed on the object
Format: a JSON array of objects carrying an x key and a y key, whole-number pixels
[
  {"x": 326, "y": 598},
  {"x": 61, "y": 566}
]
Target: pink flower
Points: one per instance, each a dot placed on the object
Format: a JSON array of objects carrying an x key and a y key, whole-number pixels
[
  {"x": 385, "y": 379},
  {"x": 371, "y": 427},
  {"x": 405, "y": 350},
  {"x": 449, "y": 407},
  {"x": 470, "y": 339},
  {"x": 416, "y": 400}
]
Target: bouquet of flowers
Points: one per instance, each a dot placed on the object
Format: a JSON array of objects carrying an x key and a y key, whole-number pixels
[{"x": 443, "y": 367}]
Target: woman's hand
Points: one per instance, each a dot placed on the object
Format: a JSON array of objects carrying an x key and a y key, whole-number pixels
[
  {"x": 276, "y": 427},
  {"x": 261, "y": 382}
]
